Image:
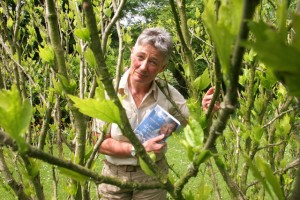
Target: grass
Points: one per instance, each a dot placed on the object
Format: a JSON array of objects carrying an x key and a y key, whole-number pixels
[{"x": 176, "y": 155}]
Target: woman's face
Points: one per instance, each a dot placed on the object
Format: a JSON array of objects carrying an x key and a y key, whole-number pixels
[{"x": 146, "y": 63}]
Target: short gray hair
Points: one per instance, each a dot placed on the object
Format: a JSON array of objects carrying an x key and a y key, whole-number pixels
[{"x": 159, "y": 38}]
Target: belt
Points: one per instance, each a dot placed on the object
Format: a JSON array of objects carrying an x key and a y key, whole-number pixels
[{"x": 126, "y": 168}]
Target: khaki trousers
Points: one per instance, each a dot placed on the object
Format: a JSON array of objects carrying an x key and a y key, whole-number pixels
[{"x": 131, "y": 173}]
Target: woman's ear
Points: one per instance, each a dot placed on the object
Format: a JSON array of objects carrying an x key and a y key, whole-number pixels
[{"x": 131, "y": 52}]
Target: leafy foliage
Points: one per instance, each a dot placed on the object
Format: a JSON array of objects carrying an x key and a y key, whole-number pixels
[
  {"x": 224, "y": 28},
  {"x": 269, "y": 46},
  {"x": 261, "y": 135},
  {"x": 15, "y": 115},
  {"x": 104, "y": 110}
]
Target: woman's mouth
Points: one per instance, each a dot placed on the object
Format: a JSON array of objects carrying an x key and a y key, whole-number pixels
[{"x": 142, "y": 75}]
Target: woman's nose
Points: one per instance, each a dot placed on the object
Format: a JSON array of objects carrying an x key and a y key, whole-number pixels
[{"x": 143, "y": 64}]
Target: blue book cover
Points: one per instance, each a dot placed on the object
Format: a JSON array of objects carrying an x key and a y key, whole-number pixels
[{"x": 157, "y": 122}]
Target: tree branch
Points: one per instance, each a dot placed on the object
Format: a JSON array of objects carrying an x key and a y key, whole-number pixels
[
  {"x": 230, "y": 99},
  {"x": 91, "y": 175},
  {"x": 111, "y": 23},
  {"x": 102, "y": 72}
]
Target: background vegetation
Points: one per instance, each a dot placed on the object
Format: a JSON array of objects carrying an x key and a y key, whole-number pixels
[{"x": 58, "y": 58}]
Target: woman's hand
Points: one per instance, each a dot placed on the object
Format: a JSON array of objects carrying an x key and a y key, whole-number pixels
[
  {"x": 207, "y": 100},
  {"x": 155, "y": 144}
]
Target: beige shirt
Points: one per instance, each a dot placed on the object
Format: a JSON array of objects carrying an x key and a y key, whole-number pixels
[{"x": 136, "y": 115}]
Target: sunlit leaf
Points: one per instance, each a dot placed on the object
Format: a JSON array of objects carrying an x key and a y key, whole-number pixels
[
  {"x": 257, "y": 174},
  {"x": 202, "y": 157},
  {"x": 188, "y": 195},
  {"x": 15, "y": 114},
  {"x": 281, "y": 16},
  {"x": 276, "y": 54},
  {"x": 108, "y": 12},
  {"x": 104, "y": 110},
  {"x": 224, "y": 29},
  {"x": 272, "y": 50},
  {"x": 152, "y": 155},
  {"x": 72, "y": 174},
  {"x": 189, "y": 149},
  {"x": 90, "y": 58},
  {"x": 270, "y": 177},
  {"x": 202, "y": 81},
  {"x": 46, "y": 54},
  {"x": 100, "y": 92},
  {"x": 198, "y": 14},
  {"x": 10, "y": 23},
  {"x": 83, "y": 33},
  {"x": 127, "y": 38},
  {"x": 269, "y": 80},
  {"x": 296, "y": 37},
  {"x": 34, "y": 167},
  {"x": 258, "y": 133},
  {"x": 145, "y": 167},
  {"x": 69, "y": 85}
]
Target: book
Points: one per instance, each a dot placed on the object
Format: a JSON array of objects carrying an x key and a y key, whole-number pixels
[{"x": 157, "y": 122}]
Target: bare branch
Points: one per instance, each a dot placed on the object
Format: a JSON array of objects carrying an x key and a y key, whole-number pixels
[{"x": 89, "y": 174}]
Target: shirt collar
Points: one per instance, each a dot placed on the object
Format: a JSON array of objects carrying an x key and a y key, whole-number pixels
[{"x": 123, "y": 86}]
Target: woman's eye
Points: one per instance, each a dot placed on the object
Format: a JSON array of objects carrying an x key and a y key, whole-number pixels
[
  {"x": 153, "y": 62},
  {"x": 140, "y": 57}
]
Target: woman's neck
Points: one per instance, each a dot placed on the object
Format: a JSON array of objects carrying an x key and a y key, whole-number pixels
[{"x": 138, "y": 91}]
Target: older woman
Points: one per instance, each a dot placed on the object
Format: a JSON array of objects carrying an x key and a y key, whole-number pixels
[{"x": 140, "y": 93}]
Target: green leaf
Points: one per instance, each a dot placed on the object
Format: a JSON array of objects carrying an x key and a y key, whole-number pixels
[
  {"x": 258, "y": 133},
  {"x": 282, "y": 16},
  {"x": 224, "y": 30},
  {"x": 46, "y": 54},
  {"x": 10, "y": 23},
  {"x": 71, "y": 189},
  {"x": 202, "y": 157},
  {"x": 108, "y": 12},
  {"x": 204, "y": 191},
  {"x": 256, "y": 173},
  {"x": 15, "y": 114},
  {"x": 73, "y": 175},
  {"x": 189, "y": 149},
  {"x": 292, "y": 83},
  {"x": 69, "y": 85},
  {"x": 188, "y": 195},
  {"x": 90, "y": 58},
  {"x": 34, "y": 167},
  {"x": 145, "y": 167},
  {"x": 270, "y": 177},
  {"x": 198, "y": 14},
  {"x": 127, "y": 38},
  {"x": 83, "y": 33},
  {"x": 296, "y": 36},
  {"x": 71, "y": 15},
  {"x": 104, "y": 110},
  {"x": 89, "y": 151},
  {"x": 171, "y": 178},
  {"x": 100, "y": 92},
  {"x": 152, "y": 155},
  {"x": 284, "y": 126},
  {"x": 269, "y": 80},
  {"x": 273, "y": 51},
  {"x": 57, "y": 87},
  {"x": 202, "y": 81},
  {"x": 194, "y": 134},
  {"x": 189, "y": 136},
  {"x": 186, "y": 69}
]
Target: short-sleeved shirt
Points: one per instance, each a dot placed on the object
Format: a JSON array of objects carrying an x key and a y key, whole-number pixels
[{"x": 136, "y": 115}]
